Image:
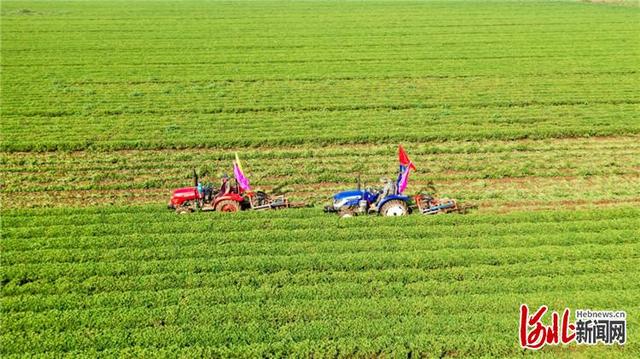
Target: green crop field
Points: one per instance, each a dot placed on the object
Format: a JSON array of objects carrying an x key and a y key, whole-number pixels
[{"x": 528, "y": 109}]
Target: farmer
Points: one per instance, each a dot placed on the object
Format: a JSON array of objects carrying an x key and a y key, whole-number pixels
[
  {"x": 207, "y": 189},
  {"x": 226, "y": 186},
  {"x": 388, "y": 190},
  {"x": 200, "y": 189}
]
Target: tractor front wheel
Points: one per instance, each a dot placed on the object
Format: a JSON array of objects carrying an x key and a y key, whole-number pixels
[
  {"x": 228, "y": 206},
  {"x": 394, "y": 208}
]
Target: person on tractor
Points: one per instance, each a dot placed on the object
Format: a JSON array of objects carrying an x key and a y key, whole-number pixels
[
  {"x": 388, "y": 189},
  {"x": 225, "y": 188},
  {"x": 207, "y": 189},
  {"x": 200, "y": 189}
]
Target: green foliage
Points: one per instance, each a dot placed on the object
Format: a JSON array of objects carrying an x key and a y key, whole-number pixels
[
  {"x": 105, "y": 77},
  {"x": 132, "y": 279},
  {"x": 499, "y": 103}
]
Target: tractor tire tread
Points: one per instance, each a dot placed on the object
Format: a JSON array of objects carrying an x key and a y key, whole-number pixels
[
  {"x": 394, "y": 202},
  {"x": 222, "y": 204}
]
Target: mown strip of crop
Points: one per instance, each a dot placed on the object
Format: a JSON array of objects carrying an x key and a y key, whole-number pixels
[
  {"x": 310, "y": 165},
  {"x": 494, "y": 172}
]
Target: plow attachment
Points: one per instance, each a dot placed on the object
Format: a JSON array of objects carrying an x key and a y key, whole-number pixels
[
  {"x": 260, "y": 201},
  {"x": 428, "y": 205}
]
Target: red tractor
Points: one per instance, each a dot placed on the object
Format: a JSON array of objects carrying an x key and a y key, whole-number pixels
[{"x": 229, "y": 198}]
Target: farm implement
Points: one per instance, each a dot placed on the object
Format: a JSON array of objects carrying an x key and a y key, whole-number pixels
[
  {"x": 232, "y": 196},
  {"x": 189, "y": 199},
  {"x": 390, "y": 200},
  {"x": 368, "y": 201},
  {"x": 426, "y": 204},
  {"x": 371, "y": 201}
]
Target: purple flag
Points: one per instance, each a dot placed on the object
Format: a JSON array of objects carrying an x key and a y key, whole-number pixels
[
  {"x": 243, "y": 182},
  {"x": 404, "y": 179}
]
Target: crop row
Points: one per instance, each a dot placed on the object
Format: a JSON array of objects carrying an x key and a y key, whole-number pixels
[
  {"x": 65, "y": 295},
  {"x": 138, "y": 46},
  {"x": 319, "y": 127},
  {"x": 263, "y": 96},
  {"x": 300, "y": 245},
  {"x": 412, "y": 46},
  {"x": 162, "y": 158},
  {"x": 258, "y": 329},
  {"x": 256, "y": 229},
  {"x": 133, "y": 34},
  {"x": 123, "y": 170},
  {"x": 320, "y": 186},
  {"x": 248, "y": 286},
  {"x": 25, "y": 286},
  {"x": 66, "y": 274},
  {"x": 260, "y": 232},
  {"x": 498, "y": 344},
  {"x": 297, "y": 55},
  {"x": 274, "y": 312},
  {"x": 270, "y": 109},
  {"x": 173, "y": 245},
  {"x": 251, "y": 332},
  {"x": 246, "y": 241},
  {"x": 268, "y": 157},
  {"x": 158, "y": 333},
  {"x": 295, "y": 299},
  {"x": 489, "y": 196},
  {"x": 391, "y": 68},
  {"x": 149, "y": 216}
]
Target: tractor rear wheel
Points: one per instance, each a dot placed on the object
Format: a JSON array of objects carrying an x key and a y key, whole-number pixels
[
  {"x": 228, "y": 206},
  {"x": 394, "y": 208}
]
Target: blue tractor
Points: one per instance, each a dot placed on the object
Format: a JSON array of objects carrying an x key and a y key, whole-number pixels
[{"x": 369, "y": 201}]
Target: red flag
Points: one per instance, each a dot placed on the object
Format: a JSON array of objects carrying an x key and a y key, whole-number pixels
[{"x": 404, "y": 159}]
